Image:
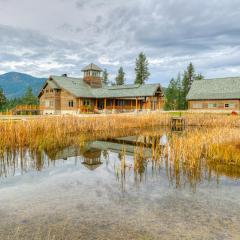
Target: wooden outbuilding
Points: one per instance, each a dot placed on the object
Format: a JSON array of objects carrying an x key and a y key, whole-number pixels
[{"x": 215, "y": 94}]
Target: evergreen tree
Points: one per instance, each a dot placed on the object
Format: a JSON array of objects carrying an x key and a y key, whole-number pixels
[
  {"x": 141, "y": 69},
  {"x": 12, "y": 103},
  {"x": 120, "y": 78},
  {"x": 179, "y": 97},
  {"x": 188, "y": 77},
  {"x": 29, "y": 98},
  {"x": 198, "y": 77},
  {"x": 105, "y": 77},
  {"x": 3, "y": 99},
  {"x": 171, "y": 95}
]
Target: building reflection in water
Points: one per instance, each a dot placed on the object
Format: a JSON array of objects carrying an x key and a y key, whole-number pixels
[{"x": 92, "y": 158}]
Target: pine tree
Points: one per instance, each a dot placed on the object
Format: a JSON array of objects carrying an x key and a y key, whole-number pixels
[
  {"x": 141, "y": 69},
  {"x": 105, "y": 77},
  {"x": 3, "y": 99},
  {"x": 188, "y": 77},
  {"x": 198, "y": 77},
  {"x": 179, "y": 97},
  {"x": 29, "y": 98},
  {"x": 171, "y": 95},
  {"x": 120, "y": 78}
]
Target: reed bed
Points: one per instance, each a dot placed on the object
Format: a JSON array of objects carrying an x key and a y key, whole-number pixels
[
  {"x": 51, "y": 133},
  {"x": 217, "y": 144},
  {"x": 48, "y": 131},
  {"x": 45, "y": 132}
]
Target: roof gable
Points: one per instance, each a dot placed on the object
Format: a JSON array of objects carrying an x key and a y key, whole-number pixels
[
  {"x": 218, "y": 88},
  {"x": 75, "y": 86}
]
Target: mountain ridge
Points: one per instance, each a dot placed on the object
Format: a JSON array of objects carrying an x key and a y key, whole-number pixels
[{"x": 14, "y": 84}]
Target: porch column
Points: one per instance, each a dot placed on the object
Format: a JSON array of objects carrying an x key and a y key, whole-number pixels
[
  {"x": 159, "y": 103},
  {"x": 113, "y": 107},
  {"x": 114, "y": 104},
  {"x": 105, "y": 104},
  {"x": 80, "y": 104},
  {"x": 136, "y": 104},
  {"x": 150, "y": 103},
  {"x": 96, "y": 103}
]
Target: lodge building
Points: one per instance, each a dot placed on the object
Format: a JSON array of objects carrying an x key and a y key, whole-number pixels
[
  {"x": 67, "y": 95},
  {"x": 215, "y": 94}
]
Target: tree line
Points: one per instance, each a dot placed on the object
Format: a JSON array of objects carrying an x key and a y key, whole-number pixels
[
  {"x": 141, "y": 72},
  {"x": 178, "y": 88},
  {"x": 175, "y": 94},
  {"x": 28, "y": 98}
]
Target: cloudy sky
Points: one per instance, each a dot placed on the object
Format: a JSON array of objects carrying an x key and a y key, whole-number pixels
[{"x": 61, "y": 36}]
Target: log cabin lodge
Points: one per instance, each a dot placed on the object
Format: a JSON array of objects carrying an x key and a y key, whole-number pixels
[
  {"x": 215, "y": 94},
  {"x": 67, "y": 95}
]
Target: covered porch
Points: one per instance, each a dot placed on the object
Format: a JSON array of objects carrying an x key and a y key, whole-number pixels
[{"x": 120, "y": 104}]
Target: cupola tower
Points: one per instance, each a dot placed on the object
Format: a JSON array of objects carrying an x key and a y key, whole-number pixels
[{"x": 92, "y": 75}]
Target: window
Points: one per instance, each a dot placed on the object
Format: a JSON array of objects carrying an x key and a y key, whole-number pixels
[
  {"x": 197, "y": 105},
  {"x": 49, "y": 103},
  {"x": 226, "y": 105},
  {"x": 86, "y": 102},
  {"x": 212, "y": 105},
  {"x": 70, "y": 103},
  {"x": 47, "y": 91},
  {"x": 51, "y": 90},
  {"x": 120, "y": 103},
  {"x": 229, "y": 105}
]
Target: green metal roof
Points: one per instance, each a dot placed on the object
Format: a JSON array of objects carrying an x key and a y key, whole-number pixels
[
  {"x": 79, "y": 88},
  {"x": 218, "y": 88},
  {"x": 126, "y": 91},
  {"x": 75, "y": 86},
  {"x": 52, "y": 84}
]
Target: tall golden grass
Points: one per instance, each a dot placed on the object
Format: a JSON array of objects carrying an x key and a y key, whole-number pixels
[
  {"x": 49, "y": 133},
  {"x": 46, "y": 131}
]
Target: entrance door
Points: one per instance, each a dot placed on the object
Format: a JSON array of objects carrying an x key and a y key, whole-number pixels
[{"x": 100, "y": 104}]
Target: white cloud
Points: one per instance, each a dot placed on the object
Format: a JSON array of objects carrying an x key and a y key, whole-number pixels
[
  {"x": 51, "y": 37},
  {"x": 107, "y": 61}
]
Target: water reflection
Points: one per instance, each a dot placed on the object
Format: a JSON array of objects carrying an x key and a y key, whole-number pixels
[
  {"x": 92, "y": 158},
  {"x": 136, "y": 159}
]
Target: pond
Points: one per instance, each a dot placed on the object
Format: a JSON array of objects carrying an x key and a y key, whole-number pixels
[{"x": 116, "y": 189}]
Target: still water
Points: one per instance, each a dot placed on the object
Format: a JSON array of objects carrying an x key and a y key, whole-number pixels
[{"x": 113, "y": 189}]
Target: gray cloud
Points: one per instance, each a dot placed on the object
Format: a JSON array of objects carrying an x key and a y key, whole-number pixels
[{"x": 68, "y": 34}]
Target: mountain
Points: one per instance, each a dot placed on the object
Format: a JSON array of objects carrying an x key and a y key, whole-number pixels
[{"x": 14, "y": 84}]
